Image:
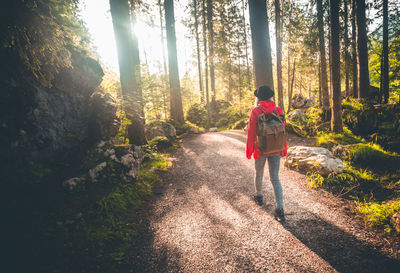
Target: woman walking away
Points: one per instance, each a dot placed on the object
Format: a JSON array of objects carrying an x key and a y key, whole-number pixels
[{"x": 265, "y": 106}]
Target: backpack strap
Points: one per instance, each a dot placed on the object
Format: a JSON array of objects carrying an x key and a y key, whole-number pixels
[{"x": 274, "y": 113}]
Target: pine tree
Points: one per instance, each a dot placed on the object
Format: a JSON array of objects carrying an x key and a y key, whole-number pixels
[
  {"x": 262, "y": 60},
  {"x": 175, "y": 88}
]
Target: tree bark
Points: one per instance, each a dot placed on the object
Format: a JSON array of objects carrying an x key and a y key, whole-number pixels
[
  {"x": 123, "y": 36},
  {"x": 279, "y": 53},
  {"x": 261, "y": 45},
  {"x": 354, "y": 49},
  {"x": 196, "y": 27},
  {"x": 291, "y": 86},
  {"x": 336, "y": 117},
  {"x": 385, "y": 53},
  {"x": 346, "y": 49},
  {"x": 175, "y": 88},
  {"x": 162, "y": 37},
  {"x": 362, "y": 40},
  {"x": 246, "y": 46},
  {"x": 324, "y": 80},
  {"x": 136, "y": 60},
  {"x": 206, "y": 57},
  {"x": 210, "y": 30},
  {"x": 288, "y": 78},
  {"x": 319, "y": 85}
]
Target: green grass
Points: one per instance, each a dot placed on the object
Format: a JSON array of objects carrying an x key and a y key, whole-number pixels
[
  {"x": 352, "y": 104},
  {"x": 379, "y": 213},
  {"x": 329, "y": 139},
  {"x": 373, "y": 157}
]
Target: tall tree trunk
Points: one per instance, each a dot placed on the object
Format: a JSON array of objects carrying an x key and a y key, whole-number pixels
[
  {"x": 329, "y": 53},
  {"x": 123, "y": 36},
  {"x": 206, "y": 57},
  {"x": 279, "y": 53},
  {"x": 319, "y": 85},
  {"x": 324, "y": 80},
  {"x": 136, "y": 59},
  {"x": 210, "y": 29},
  {"x": 291, "y": 86},
  {"x": 246, "y": 45},
  {"x": 362, "y": 40},
  {"x": 175, "y": 87},
  {"x": 239, "y": 79},
  {"x": 288, "y": 78},
  {"x": 261, "y": 45},
  {"x": 196, "y": 27},
  {"x": 354, "y": 49},
  {"x": 385, "y": 53},
  {"x": 346, "y": 48},
  {"x": 164, "y": 59},
  {"x": 336, "y": 116},
  {"x": 162, "y": 37}
]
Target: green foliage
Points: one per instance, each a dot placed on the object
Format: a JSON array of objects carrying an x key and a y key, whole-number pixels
[
  {"x": 197, "y": 114},
  {"x": 42, "y": 34},
  {"x": 329, "y": 139},
  {"x": 373, "y": 157},
  {"x": 240, "y": 124},
  {"x": 352, "y": 104},
  {"x": 379, "y": 214},
  {"x": 228, "y": 115},
  {"x": 375, "y": 56},
  {"x": 98, "y": 237},
  {"x": 185, "y": 128},
  {"x": 160, "y": 143}
]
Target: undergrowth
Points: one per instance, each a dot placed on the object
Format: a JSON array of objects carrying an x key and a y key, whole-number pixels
[
  {"x": 379, "y": 213},
  {"x": 330, "y": 139},
  {"x": 371, "y": 176},
  {"x": 87, "y": 231}
]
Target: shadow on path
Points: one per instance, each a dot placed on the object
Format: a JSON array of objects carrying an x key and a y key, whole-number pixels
[{"x": 204, "y": 169}]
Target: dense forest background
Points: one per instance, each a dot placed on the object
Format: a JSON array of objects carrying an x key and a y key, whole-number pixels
[{"x": 65, "y": 115}]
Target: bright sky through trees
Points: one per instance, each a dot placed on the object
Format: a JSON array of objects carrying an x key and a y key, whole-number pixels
[{"x": 97, "y": 17}]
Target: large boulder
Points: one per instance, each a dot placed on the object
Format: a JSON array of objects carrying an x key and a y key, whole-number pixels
[
  {"x": 299, "y": 101},
  {"x": 107, "y": 163},
  {"x": 298, "y": 115},
  {"x": 104, "y": 123},
  {"x": 42, "y": 123},
  {"x": 160, "y": 129},
  {"x": 317, "y": 159},
  {"x": 342, "y": 151}
]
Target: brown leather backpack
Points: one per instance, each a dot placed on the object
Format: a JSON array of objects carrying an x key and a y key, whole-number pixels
[{"x": 271, "y": 132}]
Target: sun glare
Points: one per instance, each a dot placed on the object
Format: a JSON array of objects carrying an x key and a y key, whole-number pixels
[{"x": 97, "y": 17}]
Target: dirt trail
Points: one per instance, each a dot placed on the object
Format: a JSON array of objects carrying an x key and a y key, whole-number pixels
[{"x": 203, "y": 219}]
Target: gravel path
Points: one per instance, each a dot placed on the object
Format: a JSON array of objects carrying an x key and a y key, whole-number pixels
[{"x": 203, "y": 219}]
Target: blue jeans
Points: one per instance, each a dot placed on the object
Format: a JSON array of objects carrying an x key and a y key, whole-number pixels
[{"x": 273, "y": 166}]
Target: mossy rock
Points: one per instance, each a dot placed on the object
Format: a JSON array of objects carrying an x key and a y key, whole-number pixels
[
  {"x": 160, "y": 143},
  {"x": 370, "y": 157}
]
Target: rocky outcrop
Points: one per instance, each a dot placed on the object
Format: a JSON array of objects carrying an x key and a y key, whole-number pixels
[
  {"x": 342, "y": 151},
  {"x": 299, "y": 101},
  {"x": 316, "y": 159},
  {"x": 107, "y": 163},
  {"x": 47, "y": 123},
  {"x": 298, "y": 115},
  {"x": 160, "y": 129},
  {"x": 103, "y": 123}
]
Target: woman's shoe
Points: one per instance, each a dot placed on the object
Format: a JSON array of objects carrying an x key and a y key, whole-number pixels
[
  {"x": 279, "y": 215},
  {"x": 258, "y": 199}
]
